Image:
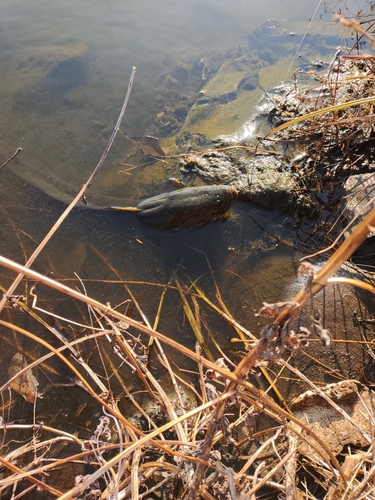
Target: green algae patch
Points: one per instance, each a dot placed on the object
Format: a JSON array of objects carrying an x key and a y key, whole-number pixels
[
  {"x": 225, "y": 120},
  {"x": 271, "y": 76},
  {"x": 226, "y": 80},
  {"x": 225, "y": 102}
]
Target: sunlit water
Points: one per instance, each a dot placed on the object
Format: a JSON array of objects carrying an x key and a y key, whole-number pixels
[
  {"x": 64, "y": 72},
  {"x": 65, "y": 68}
]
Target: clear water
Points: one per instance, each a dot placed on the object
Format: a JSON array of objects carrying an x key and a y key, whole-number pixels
[
  {"x": 65, "y": 68},
  {"x": 64, "y": 72}
]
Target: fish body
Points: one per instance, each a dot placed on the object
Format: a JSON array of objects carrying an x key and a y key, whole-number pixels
[{"x": 185, "y": 208}]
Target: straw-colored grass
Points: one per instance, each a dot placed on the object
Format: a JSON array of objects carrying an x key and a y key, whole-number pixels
[
  {"x": 121, "y": 461},
  {"x": 195, "y": 436}
]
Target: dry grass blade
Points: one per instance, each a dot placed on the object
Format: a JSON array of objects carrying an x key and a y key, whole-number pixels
[
  {"x": 333, "y": 264},
  {"x": 241, "y": 331},
  {"x": 237, "y": 377},
  {"x": 353, "y": 282},
  {"x": 161, "y": 302},
  {"x": 193, "y": 321},
  {"x": 11, "y": 157},
  {"x": 259, "y": 399},
  {"x": 354, "y": 24},
  {"x": 30, "y": 478},
  {"x": 319, "y": 112}
]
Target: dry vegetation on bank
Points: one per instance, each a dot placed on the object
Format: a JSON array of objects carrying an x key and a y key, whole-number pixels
[{"x": 205, "y": 445}]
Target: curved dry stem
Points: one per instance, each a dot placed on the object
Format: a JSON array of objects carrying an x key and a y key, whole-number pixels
[
  {"x": 29, "y": 477},
  {"x": 318, "y": 112},
  {"x": 353, "y": 282},
  {"x": 333, "y": 264},
  {"x": 52, "y": 352},
  {"x": 11, "y": 157},
  {"x": 259, "y": 399}
]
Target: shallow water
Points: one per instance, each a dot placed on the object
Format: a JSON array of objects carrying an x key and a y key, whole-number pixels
[{"x": 65, "y": 69}]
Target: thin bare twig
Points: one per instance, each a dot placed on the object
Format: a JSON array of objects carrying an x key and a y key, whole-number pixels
[
  {"x": 31, "y": 478},
  {"x": 291, "y": 466},
  {"x": 11, "y": 158}
]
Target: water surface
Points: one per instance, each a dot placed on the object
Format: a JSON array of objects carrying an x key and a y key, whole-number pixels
[
  {"x": 65, "y": 68},
  {"x": 64, "y": 73}
]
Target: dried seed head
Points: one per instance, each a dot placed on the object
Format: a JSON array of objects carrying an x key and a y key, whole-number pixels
[
  {"x": 305, "y": 267},
  {"x": 272, "y": 310}
]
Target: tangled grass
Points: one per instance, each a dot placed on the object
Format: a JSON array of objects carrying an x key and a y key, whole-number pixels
[
  {"x": 178, "y": 449},
  {"x": 198, "y": 435}
]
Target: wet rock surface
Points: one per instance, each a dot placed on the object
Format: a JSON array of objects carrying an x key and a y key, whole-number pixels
[
  {"x": 308, "y": 163},
  {"x": 265, "y": 181},
  {"x": 329, "y": 423},
  {"x": 227, "y": 90},
  {"x": 211, "y": 96}
]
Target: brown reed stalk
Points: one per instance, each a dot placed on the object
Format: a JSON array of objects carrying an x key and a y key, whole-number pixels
[
  {"x": 259, "y": 399},
  {"x": 11, "y": 157},
  {"x": 237, "y": 377},
  {"x": 318, "y": 282}
]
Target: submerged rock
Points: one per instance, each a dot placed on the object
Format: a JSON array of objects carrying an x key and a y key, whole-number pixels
[
  {"x": 329, "y": 424},
  {"x": 264, "y": 180}
]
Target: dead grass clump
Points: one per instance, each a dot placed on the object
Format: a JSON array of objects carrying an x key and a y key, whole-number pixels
[
  {"x": 327, "y": 130},
  {"x": 221, "y": 436},
  {"x": 228, "y": 439}
]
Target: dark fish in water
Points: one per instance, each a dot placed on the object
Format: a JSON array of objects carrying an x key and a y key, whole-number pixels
[{"x": 186, "y": 207}]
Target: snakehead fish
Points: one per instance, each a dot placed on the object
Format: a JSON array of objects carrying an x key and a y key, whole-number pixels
[{"x": 185, "y": 208}]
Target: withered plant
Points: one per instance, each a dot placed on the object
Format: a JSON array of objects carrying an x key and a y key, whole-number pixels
[
  {"x": 207, "y": 445},
  {"x": 179, "y": 449}
]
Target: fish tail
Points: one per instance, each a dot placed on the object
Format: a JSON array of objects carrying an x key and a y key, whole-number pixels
[{"x": 125, "y": 209}]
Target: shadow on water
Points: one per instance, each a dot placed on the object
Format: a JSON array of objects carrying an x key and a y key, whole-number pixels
[
  {"x": 122, "y": 261},
  {"x": 100, "y": 245}
]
